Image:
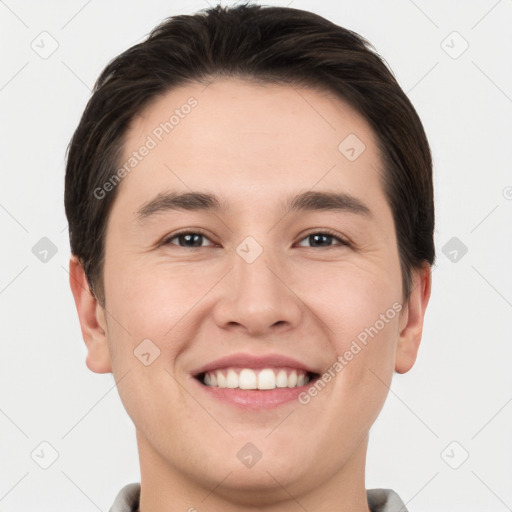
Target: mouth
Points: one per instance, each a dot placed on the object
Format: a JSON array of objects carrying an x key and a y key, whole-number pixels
[
  {"x": 256, "y": 379},
  {"x": 255, "y": 382}
]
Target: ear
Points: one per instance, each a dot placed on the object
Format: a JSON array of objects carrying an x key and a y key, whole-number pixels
[
  {"x": 411, "y": 321},
  {"x": 92, "y": 319}
]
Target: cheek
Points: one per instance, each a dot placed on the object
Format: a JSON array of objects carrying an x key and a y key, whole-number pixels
[
  {"x": 146, "y": 333},
  {"x": 360, "y": 311},
  {"x": 354, "y": 301},
  {"x": 153, "y": 300}
]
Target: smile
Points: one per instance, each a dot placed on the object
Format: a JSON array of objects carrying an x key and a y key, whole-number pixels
[
  {"x": 255, "y": 382},
  {"x": 263, "y": 379}
]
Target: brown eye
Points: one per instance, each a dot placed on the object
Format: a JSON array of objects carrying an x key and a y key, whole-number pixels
[
  {"x": 324, "y": 239},
  {"x": 189, "y": 239}
]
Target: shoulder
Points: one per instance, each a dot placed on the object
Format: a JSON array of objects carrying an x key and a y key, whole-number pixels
[
  {"x": 127, "y": 500},
  {"x": 384, "y": 500}
]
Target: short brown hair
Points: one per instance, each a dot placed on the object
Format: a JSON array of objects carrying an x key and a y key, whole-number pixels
[{"x": 267, "y": 44}]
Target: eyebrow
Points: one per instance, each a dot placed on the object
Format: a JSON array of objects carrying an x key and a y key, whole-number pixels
[{"x": 201, "y": 201}]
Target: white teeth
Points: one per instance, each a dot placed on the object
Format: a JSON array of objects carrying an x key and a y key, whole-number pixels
[
  {"x": 247, "y": 378},
  {"x": 266, "y": 379},
  {"x": 282, "y": 379},
  {"x": 221, "y": 379},
  {"x": 231, "y": 379}
]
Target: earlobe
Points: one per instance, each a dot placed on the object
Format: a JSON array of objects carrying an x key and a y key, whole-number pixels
[
  {"x": 413, "y": 313},
  {"x": 92, "y": 319}
]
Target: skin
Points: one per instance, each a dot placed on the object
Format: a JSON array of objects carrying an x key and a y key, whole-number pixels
[{"x": 252, "y": 145}]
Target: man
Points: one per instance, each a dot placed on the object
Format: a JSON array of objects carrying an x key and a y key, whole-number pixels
[{"x": 249, "y": 195}]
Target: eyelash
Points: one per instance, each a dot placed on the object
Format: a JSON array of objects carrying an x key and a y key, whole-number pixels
[{"x": 342, "y": 241}]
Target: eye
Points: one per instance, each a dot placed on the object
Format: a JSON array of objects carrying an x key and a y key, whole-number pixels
[
  {"x": 324, "y": 239},
  {"x": 194, "y": 239},
  {"x": 188, "y": 239}
]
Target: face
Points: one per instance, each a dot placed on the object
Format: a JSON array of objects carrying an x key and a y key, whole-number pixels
[{"x": 286, "y": 277}]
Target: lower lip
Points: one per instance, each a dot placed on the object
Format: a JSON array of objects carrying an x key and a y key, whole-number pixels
[{"x": 254, "y": 399}]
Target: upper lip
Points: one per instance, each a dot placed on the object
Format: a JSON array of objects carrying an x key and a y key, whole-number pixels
[{"x": 252, "y": 361}]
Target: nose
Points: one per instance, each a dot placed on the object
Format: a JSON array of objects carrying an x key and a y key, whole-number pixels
[{"x": 258, "y": 298}]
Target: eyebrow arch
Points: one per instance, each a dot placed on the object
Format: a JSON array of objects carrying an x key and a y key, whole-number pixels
[
  {"x": 201, "y": 201},
  {"x": 311, "y": 201},
  {"x": 193, "y": 201}
]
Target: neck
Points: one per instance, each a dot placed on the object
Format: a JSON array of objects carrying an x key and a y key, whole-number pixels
[{"x": 165, "y": 488}]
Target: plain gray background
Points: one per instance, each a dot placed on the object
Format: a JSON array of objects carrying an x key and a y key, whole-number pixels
[{"x": 443, "y": 439}]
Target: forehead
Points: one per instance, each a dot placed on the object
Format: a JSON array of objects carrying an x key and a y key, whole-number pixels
[{"x": 240, "y": 139}]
